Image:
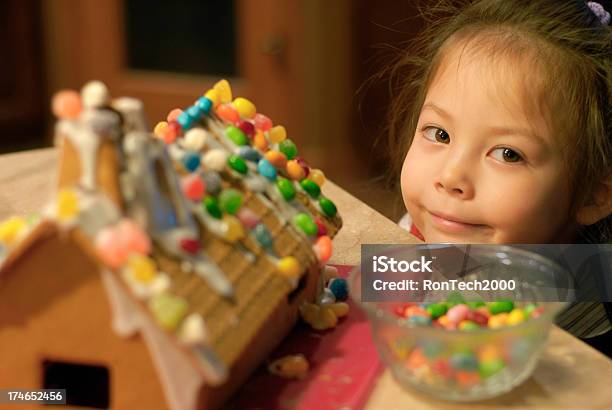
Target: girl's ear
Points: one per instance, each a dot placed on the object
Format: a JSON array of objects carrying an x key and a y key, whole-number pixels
[{"x": 600, "y": 204}]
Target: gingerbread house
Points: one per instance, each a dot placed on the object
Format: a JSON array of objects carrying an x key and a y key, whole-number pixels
[{"x": 170, "y": 264}]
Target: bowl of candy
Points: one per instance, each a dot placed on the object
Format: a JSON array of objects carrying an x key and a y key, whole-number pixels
[{"x": 469, "y": 345}]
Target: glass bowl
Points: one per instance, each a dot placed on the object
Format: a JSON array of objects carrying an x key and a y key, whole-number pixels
[{"x": 462, "y": 365}]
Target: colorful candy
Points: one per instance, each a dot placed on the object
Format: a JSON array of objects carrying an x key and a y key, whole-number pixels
[
  {"x": 194, "y": 139},
  {"x": 230, "y": 200},
  {"x": 288, "y": 148},
  {"x": 66, "y": 104},
  {"x": 213, "y": 96},
  {"x": 245, "y": 108},
  {"x": 266, "y": 169},
  {"x": 191, "y": 161},
  {"x": 215, "y": 160},
  {"x": 234, "y": 231},
  {"x": 228, "y": 113},
  {"x": 328, "y": 207},
  {"x": 259, "y": 141},
  {"x": 248, "y": 218},
  {"x": 204, "y": 104},
  {"x": 276, "y": 158},
  {"x": 286, "y": 189},
  {"x": 67, "y": 204},
  {"x": 168, "y": 310},
  {"x": 305, "y": 223},
  {"x": 289, "y": 267},
  {"x": 310, "y": 187},
  {"x": 160, "y": 129},
  {"x": 211, "y": 204},
  {"x": 193, "y": 187},
  {"x": 236, "y": 135},
  {"x": 277, "y": 134},
  {"x": 262, "y": 235},
  {"x": 10, "y": 229},
  {"x": 224, "y": 90},
  {"x": 290, "y": 367},
  {"x": 295, "y": 170},
  {"x": 142, "y": 268},
  {"x": 262, "y": 122},
  {"x": 249, "y": 154},
  {"x": 317, "y": 176},
  {"x": 323, "y": 248},
  {"x": 237, "y": 164},
  {"x": 339, "y": 288}
]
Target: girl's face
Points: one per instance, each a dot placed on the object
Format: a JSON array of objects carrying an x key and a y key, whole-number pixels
[{"x": 480, "y": 168}]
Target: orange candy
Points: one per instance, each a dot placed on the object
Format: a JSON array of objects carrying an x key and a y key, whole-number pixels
[
  {"x": 467, "y": 379},
  {"x": 415, "y": 311},
  {"x": 160, "y": 129},
  {"x": 173, "y": 115},
  {"x": 416, "y": 359},
  {"x": 323, "y": 248},
  {"x": 228, "y": 113},
  {"x": 276, "y": 158},
  {"x": 66, "y": 104},
  {"x": 295, "y": 170},
  {"x": 260, "y": 142}
]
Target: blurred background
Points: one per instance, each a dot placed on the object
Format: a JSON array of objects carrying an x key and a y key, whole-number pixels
[{"x": 304, "y": 63}]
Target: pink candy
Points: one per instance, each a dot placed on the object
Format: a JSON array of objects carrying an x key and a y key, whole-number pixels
[
  {"x": 193, "y": 187},
  {"x": 173, "y": 115},
  {"x": 248, "y": 218},
  {"x": 133, "y": 237},
  {"x": 457, "y": 313},
  {"x": 66, "y": 104},
  {"x": 115, "y": 244},
  {"x": 262, "y": 122}
]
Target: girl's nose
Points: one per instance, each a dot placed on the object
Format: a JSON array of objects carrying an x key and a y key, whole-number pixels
[{"x": 454, "y": 180}]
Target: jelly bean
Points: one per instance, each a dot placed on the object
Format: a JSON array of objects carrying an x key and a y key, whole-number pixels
[
  {"x": 185, "y": 120},
  {"x": 247, "y": 127},
  {"x": 500, "y": 306},
  {"x": 266, "y": 169},
  {"x": 488, "y": 368},
  {"x": 160, "y": 129},
  {"x": 213, "y": 96},
  {"x": 413, "y": 310},
  {"x": 474, "y": 304},
  {"x": 67, "y": 204},
  {"x": 497, "y": 321},
  {"x": 288, "y": 148},
  {"x": 227, "y": 113},
  {"x": 340, "y": 309},
  {"x": 328, "y": 207},
  {"x": 95, "y": 94},
  {"x": 109, "y": 247},
  {"x": 204, "y": 104},
  {"x": 66, "y": 104},
  {"x": 516, "y": 316},
  {"x": 289, "y": 267},
  {"x": 173, "y": 115},
  {"x": 245, "y": 108},
  {"x": 260, "y": 142},
  {"x": 277, "y": 134},
  {"x": 191, "y": 161},
  {"x": 276, "y": 158},
  {"x": 464, "y": 361},
  {"x": 339, "y": 288},
  {"x": 477, "y": 317},
  {"x": 309, "y": 312},
  {"x": 326, "y": 297},
  {"x": 263, "y": 237},
  {"x": 321, "y": 229},
  {"x": 467, "y": 379},
  {"x": 295, "y": 171},
  {"x": 468, "y": 325},
  {"x": 190, "y": 245},
  {"x": 310, "y": 187},
  {"x": 323, "y": 248},
  {"x": 454, "y": 298},
  {"x": 446, "y": 323},
  {"x": 225, "y": 91},
  {"x": 305, "y": 223},
  {"x": 172, "y": 131},
  {"x": 195, "y": 113},
  {"x": 302, "y": 163},
  {"x": 134, "y": 238},
  {"x": 233, "y": 228},
  {"x": 212, "y": 182},
  {"x": 488, "y": 352},
  {"x": 457, "y": 313},
  {"x": 168, "y": 310},
  {"x": 236, "y": 135},
  {"x": 248, "y": 218},
  {"x": 249, "y": 154},
  {"x": 194, "y": 139},
  {"x": 142, "y": 268},
  {"x": 215, "y": 160},
  {"x": 286, "y": 189},
  {"x": 327, "y": 319},
  {"x": 237, "y": 164},
  {"x": 212, "y": 207},
  {"x": 290, "y": 367},
  {"x": 317, "y": 176},
  {"x": 193, "y": 187},
  {"x": 419, "y": 320},
  {"x": 436, "y": 310},
  {"x": 230, "y": 201},
  {"x": 262, "y": 122}
]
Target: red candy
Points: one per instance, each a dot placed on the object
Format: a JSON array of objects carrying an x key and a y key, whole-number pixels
[
  {"x": 189, "y": 245},
  {"x": 247, "y": 127},
  {"x": 262, "y": 122},
  {"x": 193, "y": 187},
  {"x": 477, "y": 317},
  {"x": 171, "y": 132},
  {"x": 321, "y": 229},
  {"x": 304, "y": 165}
]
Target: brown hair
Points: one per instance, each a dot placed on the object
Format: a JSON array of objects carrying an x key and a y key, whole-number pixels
[{"x": 572, "y": 52}]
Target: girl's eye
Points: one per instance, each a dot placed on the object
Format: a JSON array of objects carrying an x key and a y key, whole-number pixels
[
  {"x": 436, "y": 134},
  {"x": 506, "y": 155}
]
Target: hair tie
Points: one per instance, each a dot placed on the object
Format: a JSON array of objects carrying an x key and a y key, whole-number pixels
[{"x": 600, "y": 12}]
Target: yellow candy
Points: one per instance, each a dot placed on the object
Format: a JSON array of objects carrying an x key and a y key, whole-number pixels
[
  {"x": 516, "y": 316},
  {"x": 142, "y": 268},
  {"x": 160, "y": 128},
  {"x": 67, "y": 204},
  {"x": 9, "y": 229},
  {"x": 295, "y": 170},
  {"x": 277, "y": 134},
  {"x": 488, "y": 353},
  {"x": 291, "y": 367},
  {"x": 245, "y": 108},
  {"x": 234, "y": 229},
  {"x": 444, "y": 321},
  {"x": 224, "y": 90},
  {"x": 317, "y": 176},
  {"x": 309, "y": 312},
  {"x": 497, "y": 321},
  {"x": 289, "y": 267},
  {"x": 213, "y": 95},
  {"x": 341, "y": 309},
  {"x": 326, "y": 320}
]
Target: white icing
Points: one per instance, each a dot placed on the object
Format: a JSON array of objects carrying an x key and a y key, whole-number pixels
[
  {"x": 194, "y": 139},
  {"x": 193, "y": 330},
  {"x": 215, "y": 160},
  {"x": 95, "y": 94},
  {"x": 204, "y": 267}
]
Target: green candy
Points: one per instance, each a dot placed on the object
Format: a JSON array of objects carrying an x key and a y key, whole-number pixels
[
  {"x": 311, "y": 187},
  {"x": 230, "y": 201},
  {"x": 236, "y": 135},
  {"x": 469, "y": 325},
  {"x": 237, "y": 164},
  {"x": 529, "y": 309},
  {"x": 212, "y": 207},
  {"x": 475, "y": 304},
  {"x": 288, "y": 148},
  {"x": 454, "y": 298},
  {"x": 286, "y": 188},
  {"x": 490, "y": 367},
  {"x": 168, "y": 310},
  {"x": 436, "y": 310},
  {"x": 305, "y": 223},
  {"x": 500, "y": 306},
  {"x": 328, "y": 207}
]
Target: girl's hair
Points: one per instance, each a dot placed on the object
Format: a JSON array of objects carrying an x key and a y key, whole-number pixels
[{"x": 569, "y": 52}]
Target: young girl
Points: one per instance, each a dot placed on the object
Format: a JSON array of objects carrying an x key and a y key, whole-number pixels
[{"x": 502, "y": 127}]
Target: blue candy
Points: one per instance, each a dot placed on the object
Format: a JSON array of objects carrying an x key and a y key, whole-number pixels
[
  {"x": 249, "y": 154},
  {"x": 204, "y": 104},
  {"x": 191, "y": 161},
  {"x": 194, "y": 112},
  {"x": 185, "y": 120},
  {"x": 339, "y": 288},
  {"x": 464, "y": 361},
  {"x": 265, "y": 168},
  {"x": 419, "y": 320},
  {"x": 263, "y": 236}
]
